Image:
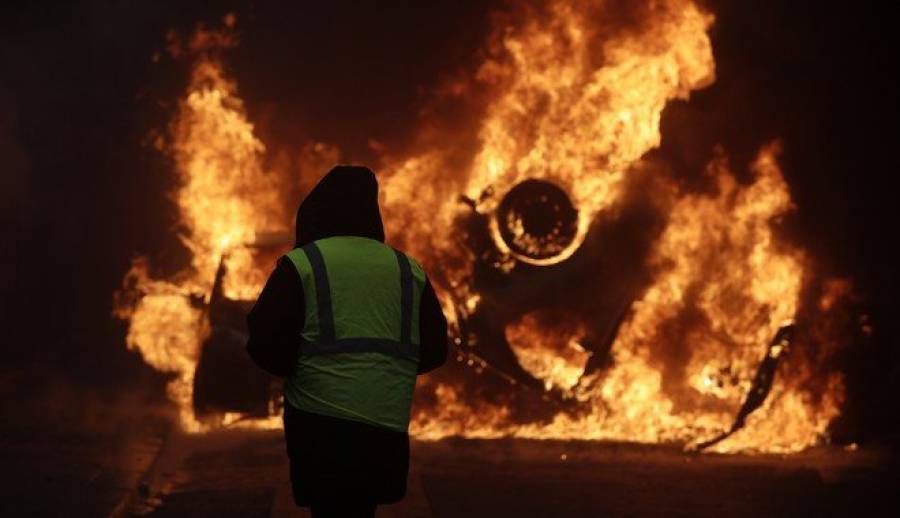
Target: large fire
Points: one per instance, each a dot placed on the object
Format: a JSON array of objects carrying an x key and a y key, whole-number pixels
[{"x": 576, "y": 101}]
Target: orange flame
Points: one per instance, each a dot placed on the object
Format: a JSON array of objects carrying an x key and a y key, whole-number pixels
[
  {"x": 578, "y": 102},
  {"x": 224, "y": 196},
  {"x": 717, "y": 256}
]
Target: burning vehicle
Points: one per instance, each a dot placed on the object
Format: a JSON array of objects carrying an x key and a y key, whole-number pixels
[{"x": 593, "y": 294}]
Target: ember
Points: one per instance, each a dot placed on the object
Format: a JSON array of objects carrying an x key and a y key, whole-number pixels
[{"x": 669, "y": 353}]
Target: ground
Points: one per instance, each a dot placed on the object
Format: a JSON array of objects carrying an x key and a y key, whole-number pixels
[
  {"x": 244, "y": 473},
  {"x": 69, "y": 455}
]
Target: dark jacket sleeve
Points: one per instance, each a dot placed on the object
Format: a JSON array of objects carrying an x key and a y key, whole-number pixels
[
  {"x": 276, "y": 320},
  {"x": 432, "y": 331}
]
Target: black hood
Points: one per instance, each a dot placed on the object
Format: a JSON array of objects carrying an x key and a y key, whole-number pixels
[{"x": 343, "y": 203}]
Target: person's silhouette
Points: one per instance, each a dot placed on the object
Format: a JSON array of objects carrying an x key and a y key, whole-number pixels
[{"x": 349, "y": 322}]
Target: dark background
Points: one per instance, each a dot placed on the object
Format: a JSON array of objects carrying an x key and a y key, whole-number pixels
[{"x": 81, "y": 193}]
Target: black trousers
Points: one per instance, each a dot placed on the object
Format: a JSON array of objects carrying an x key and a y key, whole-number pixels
[{"x": 341, "y": 467}]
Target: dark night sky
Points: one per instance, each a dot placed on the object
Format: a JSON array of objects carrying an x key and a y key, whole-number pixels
[{"x": 81, "y": 195}]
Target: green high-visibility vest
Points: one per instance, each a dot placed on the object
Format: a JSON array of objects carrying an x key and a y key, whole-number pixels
[{"x": 359, "y": 348}]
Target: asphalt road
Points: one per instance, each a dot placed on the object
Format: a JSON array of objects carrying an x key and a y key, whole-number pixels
[{"x": 244, "y": 473}]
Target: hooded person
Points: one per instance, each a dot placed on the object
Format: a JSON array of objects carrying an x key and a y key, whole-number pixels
[{"x": 349, "y": 322}]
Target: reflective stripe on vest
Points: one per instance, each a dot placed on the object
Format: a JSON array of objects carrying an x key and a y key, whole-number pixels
[{"x": 329, "y": 344}]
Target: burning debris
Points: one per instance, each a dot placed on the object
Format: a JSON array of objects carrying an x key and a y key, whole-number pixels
[
  {"x": 592, "y": 295},
  {"x": 759, "y": 390}
]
